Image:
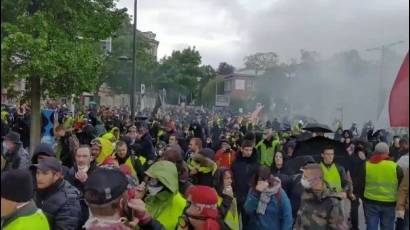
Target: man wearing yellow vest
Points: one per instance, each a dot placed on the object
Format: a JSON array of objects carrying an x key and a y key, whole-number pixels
[
  {"x": 334, "y": 175},
  {"x": 124, "y": 156},
  {"x": 18, "y": 210},
  {"x": 381, "y": 180},
  {"x": 267, "y": 147}
]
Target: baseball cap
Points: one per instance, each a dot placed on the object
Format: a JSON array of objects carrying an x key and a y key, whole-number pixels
[
  {"x": 49, "y": 163},
  {"x": 105, "y": 185}
]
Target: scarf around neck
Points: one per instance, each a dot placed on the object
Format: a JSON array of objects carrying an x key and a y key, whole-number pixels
[{"x": 266, "y": 197}]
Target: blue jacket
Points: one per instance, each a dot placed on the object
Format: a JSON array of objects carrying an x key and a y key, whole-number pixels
[{"x": 278, "y": 216}]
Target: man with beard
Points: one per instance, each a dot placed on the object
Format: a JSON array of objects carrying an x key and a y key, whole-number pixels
[
  {"x": 58, "y": 199},
  {"x": 267, "y": 148}
]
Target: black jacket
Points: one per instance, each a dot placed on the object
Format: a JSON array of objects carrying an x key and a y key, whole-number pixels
[
  {"x": 295, "y": 193},
  {"x": 284, "y": 176},
  {"x": 147, "y": 148},
  {"x": 18, "y": 159},
  {"x": 61, "y": 204},
  {"x": 395, "y": 153},
  {"x": 70, "y": 177},
  {"x": 243, "y": 170}
]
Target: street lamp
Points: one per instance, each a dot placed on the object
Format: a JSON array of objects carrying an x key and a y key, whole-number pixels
[{"x": 133, "y": 80}]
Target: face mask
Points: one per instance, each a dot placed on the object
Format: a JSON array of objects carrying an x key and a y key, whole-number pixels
[
  {"x": 305, "y": 183},
  {"x": 154, "y": 190}
]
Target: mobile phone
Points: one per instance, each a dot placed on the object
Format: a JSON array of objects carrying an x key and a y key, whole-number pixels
[{"x": 129, "y": 213}]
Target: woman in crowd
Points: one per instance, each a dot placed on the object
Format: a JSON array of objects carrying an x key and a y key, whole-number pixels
[
  {"x": 267, "y": 203},
  {"x": 279, "y": 170},
  {"x": 227, "y": 205}
]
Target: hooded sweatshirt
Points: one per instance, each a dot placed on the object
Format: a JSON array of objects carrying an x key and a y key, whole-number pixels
[{"x": 167, "y": 205}]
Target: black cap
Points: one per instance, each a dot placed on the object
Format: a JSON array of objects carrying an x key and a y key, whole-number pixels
[
  {"x": 207, "y": 152},
  {"x": 105, "y": 185},
  {"x": 44, "y": 149},
  {"x": 13, "y": 136},
  {"x": 17, "y": 185},
  {"x": 308, "y": 160},
  {"x": 49, "y": 163}
]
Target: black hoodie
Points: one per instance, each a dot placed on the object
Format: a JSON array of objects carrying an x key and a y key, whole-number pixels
[{"x": 243, "y": 170}]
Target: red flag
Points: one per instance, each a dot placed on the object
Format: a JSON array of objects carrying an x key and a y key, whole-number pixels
[{"x": 399, "y": 97}]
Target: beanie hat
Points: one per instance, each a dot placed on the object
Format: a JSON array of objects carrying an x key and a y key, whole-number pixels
[
  {"x": 17, "y": 185},
  {"x": 207, "y": 196},
  {"x": 381, "y": 148},
  {"x": 201, "y": 194}
]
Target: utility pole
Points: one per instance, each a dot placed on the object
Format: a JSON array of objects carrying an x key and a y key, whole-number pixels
[
  {"x": 134, "y": 63},
  {"x": 382, "y": 49}
]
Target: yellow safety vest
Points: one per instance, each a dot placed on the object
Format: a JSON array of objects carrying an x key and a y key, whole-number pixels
[
  {"x": 170, "y": 213},
  {"x": 36, "y": 221},
  {"x": 232, "y": 217},
  {"x": 332, "y": 177},
  {"x": 4, "y": 115},
  {"x": 381, "y": 181}
]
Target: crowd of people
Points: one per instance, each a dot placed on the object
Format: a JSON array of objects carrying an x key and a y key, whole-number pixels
[{"x": 180, "y": 168}]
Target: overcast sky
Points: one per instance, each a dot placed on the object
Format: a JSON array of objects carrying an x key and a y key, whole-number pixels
[{"x": 228, "y": 30}]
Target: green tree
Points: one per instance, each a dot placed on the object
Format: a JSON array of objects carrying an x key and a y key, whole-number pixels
[
  {"x": 209, "y": 91},
  {"x": 182, "y": 74},
  {"x": 55, "y": 46},
  {"x": 118, "y": 71},
  {"x": 225, "y": 68},
  {"x": 261, "y": 61}
]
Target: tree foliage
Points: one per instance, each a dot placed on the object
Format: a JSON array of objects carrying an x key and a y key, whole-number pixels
[
  {"x": 118, "y": 70},
  {"x": 225, "y": 68},
  {"x": 182, "y": 74},
  {"x": 208, "y": 92},
  {"x": 55, "y": 46},
  {"x": 58, "y": 41},
  {"x": 261, "y": 61}
]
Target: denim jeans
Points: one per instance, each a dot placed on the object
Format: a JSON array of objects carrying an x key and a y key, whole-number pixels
[
  {"x": 406, "y": 219},
  {"x": 376, "y": 215}
]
